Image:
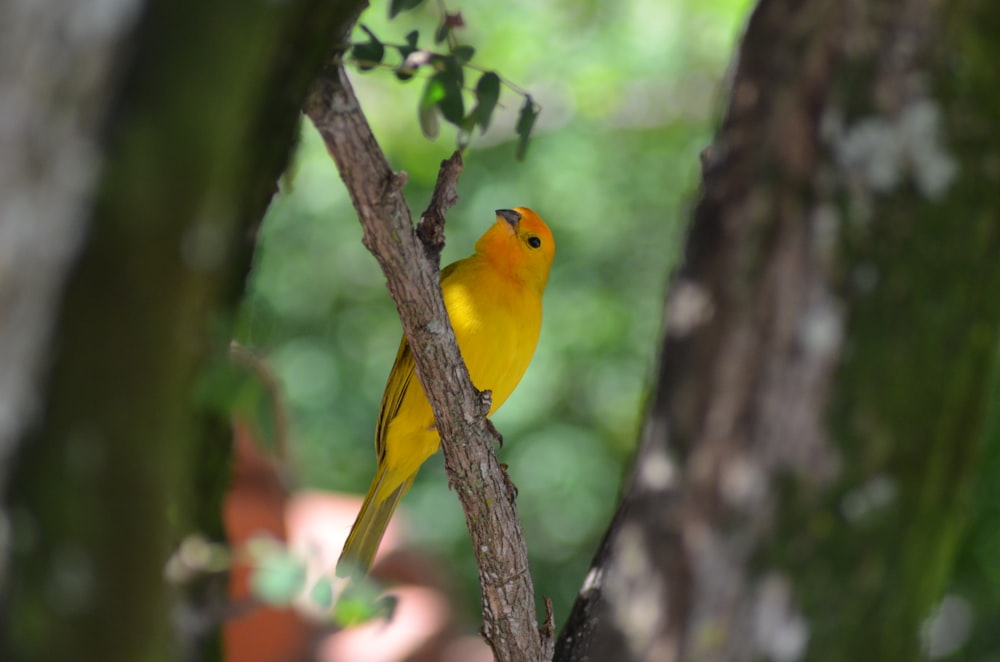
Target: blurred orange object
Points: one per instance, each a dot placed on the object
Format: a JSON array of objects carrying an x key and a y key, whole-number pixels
[
  {"x": 315, "y": 524},
  {"x": 255, "y": 504}
]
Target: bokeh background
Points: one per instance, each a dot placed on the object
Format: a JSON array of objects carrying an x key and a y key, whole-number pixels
[{"x": 629, "y": 89}]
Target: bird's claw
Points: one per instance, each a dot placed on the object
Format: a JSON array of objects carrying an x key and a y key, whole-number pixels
[{"x": 508, "y": 484}]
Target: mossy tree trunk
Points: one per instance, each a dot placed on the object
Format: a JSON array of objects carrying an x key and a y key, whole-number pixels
[
  {"x": 803, "y": 481},
  {"x": 186, "y": 113}
]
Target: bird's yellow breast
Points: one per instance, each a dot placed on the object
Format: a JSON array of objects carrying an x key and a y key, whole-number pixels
[
  {"x": 497, "y": 326},
  {"x": 497, "y": 323}
]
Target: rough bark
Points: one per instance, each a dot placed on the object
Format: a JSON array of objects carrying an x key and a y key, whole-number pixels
[
  {"x": 182, "y": 129},
  {"x": 801, "y": 479},
  {"x": 411, "y": 269}
]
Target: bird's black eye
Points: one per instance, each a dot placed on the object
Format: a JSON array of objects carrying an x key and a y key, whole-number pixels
[{"x": 534, "y": 242}]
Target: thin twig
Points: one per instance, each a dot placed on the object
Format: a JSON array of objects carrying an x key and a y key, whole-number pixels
[
  {"x": 413, "y": 280},
  {"x": 246, "y": 357},
  {"x": 430, "y": 229}
]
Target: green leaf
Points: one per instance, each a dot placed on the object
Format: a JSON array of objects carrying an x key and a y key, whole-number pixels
[
  {"x": 442, "y": 32},
  {"x": 428, "y": 107},
  {"x": 450, "y": 67},
  {"x": 525, "y": 123},
  {"x": 451, "y": 103},
  {"x": 368, "y": 54},
  {"x": 463, "y": 53},
  {"x": 354, "y": 610},
  {"x": 387, "y": 606},
  {"x": 322, "y": 593},
  {"x": 487, "y": 96},
  {"x": 397, "y": 6},
  {"x": 360, "y": 602},
  {"x": 411, "y": 38},
  {"x": 277, "y": 576}
]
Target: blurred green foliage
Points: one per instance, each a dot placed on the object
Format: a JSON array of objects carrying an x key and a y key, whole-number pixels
[{"x": 627, "y": 89}]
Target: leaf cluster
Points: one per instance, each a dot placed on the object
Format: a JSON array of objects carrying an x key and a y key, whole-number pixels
[{"x": 445, "y": 92}]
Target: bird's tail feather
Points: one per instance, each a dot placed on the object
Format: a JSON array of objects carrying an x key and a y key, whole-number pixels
[{"x": 369, "y": 527}]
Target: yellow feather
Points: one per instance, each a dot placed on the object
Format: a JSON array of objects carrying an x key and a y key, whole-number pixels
[{"x": 494, "y": 301}]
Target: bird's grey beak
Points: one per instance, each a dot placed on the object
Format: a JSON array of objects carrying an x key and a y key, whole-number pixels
[{"x": 510, "y": 216}]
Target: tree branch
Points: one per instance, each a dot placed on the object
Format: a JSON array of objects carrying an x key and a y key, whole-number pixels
[
  {"x": 430, "y": 230},
  {"x": 412, "y": 275}
]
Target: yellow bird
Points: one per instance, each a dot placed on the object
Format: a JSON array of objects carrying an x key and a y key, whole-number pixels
[{"x": 494, "y": 300}]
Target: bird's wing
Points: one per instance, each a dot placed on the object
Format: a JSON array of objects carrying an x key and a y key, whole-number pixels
[
  {"x": 402, "y": 374},
  {"x": 450, "y": 269}
]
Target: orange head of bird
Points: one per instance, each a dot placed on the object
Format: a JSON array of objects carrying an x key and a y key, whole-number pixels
[{"x": 520, "y": 245}]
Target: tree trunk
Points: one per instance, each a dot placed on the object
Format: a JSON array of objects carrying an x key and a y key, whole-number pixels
[
  {"x": 181, "y": 117},
  {"x": 802, "y": 478}
]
